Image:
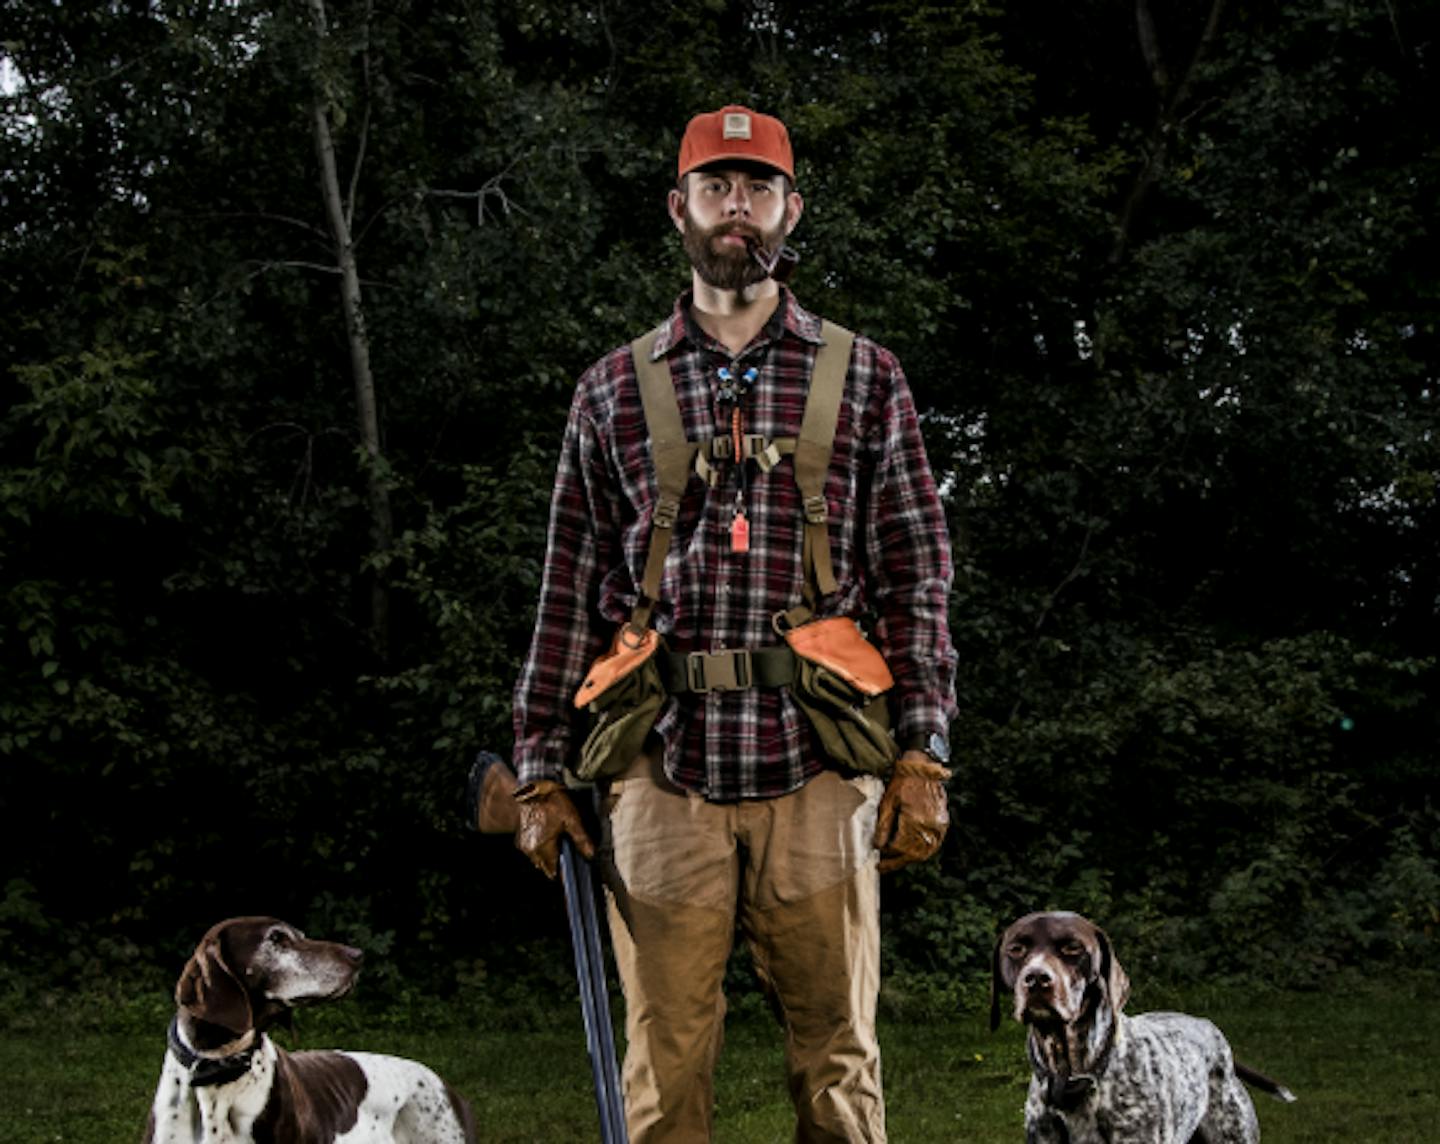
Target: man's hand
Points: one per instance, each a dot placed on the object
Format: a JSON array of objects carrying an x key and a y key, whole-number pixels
[
  {"x": 546, "y": 813},
  {"x": 914, "y": 812}
]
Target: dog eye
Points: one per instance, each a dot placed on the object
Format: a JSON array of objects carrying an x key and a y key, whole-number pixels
[
  {"x": 1017, "y": 949},
  {"x": 278, "y": 937},
  {"x": 1073, "y": 949}
]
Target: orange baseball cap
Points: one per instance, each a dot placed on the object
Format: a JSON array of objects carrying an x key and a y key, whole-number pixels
[{"x": 736, "y": 132}]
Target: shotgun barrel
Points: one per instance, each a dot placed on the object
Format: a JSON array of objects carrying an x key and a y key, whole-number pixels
[
  {"x": 492, "y": 809},
  {"x": 594, "y": 996}
]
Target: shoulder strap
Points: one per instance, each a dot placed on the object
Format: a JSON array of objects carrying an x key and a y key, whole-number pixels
[
  {"x": 812, "y": 462},
  {"x": 671, "y": 456}
]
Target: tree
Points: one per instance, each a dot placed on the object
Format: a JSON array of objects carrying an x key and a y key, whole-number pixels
[{"x": 1160, "y": 277}]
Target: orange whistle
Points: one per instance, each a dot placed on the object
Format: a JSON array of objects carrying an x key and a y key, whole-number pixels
[{"x": 739, "y": 533}]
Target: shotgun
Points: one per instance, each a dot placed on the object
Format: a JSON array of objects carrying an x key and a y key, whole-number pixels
[{"x": 492, "y": 810}]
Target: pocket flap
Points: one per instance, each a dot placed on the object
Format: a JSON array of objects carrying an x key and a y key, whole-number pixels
[
  {"x": 627, "y": 652},
  {"x": 837, "y": 644}
]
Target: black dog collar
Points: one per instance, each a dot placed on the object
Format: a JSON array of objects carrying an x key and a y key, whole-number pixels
[
  {"x": 205, "y": 1071},
  {"x": 1067, "y": 1092}
]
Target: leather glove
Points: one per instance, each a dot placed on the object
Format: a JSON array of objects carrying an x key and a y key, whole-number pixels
[
  {"x": 914, "y": 812},
  {"x": 546, "y": 813}
]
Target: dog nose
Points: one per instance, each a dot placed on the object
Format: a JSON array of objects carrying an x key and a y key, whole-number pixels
[
  {"x": 1037, "y": 979},
  {"x": 352, "y": 955}
]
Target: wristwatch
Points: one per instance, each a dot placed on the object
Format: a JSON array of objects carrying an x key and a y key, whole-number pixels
[{"x": 935, "y": 745}]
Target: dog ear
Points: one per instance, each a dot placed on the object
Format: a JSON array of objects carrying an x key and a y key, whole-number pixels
[
  {"x": 209, "y": 990},
  {"x": 997, "y": 984},
  {"x": 1117, "y": 981}
]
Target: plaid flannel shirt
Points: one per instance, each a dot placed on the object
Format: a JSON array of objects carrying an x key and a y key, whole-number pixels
[{"x": 888, "y": 538}]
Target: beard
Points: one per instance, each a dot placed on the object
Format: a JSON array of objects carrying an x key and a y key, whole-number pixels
[{"x": 723, "y": 265}]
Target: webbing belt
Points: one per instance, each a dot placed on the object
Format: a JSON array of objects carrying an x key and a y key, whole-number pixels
[{"x": 702, "y": 671}]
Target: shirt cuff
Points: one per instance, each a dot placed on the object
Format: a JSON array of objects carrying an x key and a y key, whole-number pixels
[
  {"x": 917, "y": 723},
  {"x": 537, "y": 762}
]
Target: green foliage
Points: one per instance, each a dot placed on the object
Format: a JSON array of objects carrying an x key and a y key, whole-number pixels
[{"x": 1172, "y": 330}]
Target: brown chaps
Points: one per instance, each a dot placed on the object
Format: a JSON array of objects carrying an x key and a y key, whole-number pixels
[{"x": 797, "y": 874}]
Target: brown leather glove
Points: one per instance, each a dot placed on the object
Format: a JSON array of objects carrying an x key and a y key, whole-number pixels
[
  {"x": 914, "y": 812},
  {"x": 546, "y": 813}
]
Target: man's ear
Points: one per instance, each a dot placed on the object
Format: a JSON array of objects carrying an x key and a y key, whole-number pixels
[
  {"x": 675, "y": 204},
  {"x": 794, "y": 208}
]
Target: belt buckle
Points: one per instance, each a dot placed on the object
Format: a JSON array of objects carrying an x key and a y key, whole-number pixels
[{"x": 718, "y": 671}]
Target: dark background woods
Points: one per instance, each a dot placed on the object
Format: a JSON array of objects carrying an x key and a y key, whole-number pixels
[{"x": 292, "y": 299}]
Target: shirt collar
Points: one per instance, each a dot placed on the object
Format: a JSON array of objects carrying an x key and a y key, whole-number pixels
[{"x": 789, "y": 318}]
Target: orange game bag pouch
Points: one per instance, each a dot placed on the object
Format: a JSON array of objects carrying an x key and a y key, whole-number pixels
[
  {"x": 623, "y": 693},
  {"x": 841, "y": 680}
]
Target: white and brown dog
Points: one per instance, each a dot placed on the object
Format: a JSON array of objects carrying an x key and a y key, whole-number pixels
[
  {"x": 225, "y": 1081},
  {"x": 1100, "y": 1076}
]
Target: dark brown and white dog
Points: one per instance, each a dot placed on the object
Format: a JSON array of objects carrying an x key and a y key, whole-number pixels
[
  {"x": 1100, "y": 1076},
  {"x": 225, "y": 1081}
]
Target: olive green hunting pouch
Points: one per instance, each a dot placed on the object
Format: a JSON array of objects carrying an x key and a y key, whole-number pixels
[
  {"x": 841, "y": 681},
  {"x": 623, "y": 693}
]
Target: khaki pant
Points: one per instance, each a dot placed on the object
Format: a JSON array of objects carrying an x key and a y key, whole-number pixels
[{"x": 798, "y": 874}]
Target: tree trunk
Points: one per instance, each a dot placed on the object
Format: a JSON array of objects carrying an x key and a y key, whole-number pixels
[{"x": 382, "y": 523}]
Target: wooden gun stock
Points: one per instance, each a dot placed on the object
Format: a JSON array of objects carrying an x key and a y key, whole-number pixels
[{"x": 490, "y": 796}]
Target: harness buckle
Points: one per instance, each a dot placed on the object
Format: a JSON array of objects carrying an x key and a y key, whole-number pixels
[{"x": 718, "y": 671}]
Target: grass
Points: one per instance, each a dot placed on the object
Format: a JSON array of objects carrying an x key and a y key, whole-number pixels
[{"x": 1360, "y": 1062}]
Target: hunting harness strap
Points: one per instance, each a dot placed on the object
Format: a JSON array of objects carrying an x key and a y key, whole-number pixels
[{"x": 673, "y": 457}]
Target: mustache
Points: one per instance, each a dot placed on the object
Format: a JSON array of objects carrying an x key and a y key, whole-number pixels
[{"x": 749, "y": 233}]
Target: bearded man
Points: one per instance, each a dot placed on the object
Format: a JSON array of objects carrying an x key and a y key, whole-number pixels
[{"x": 749, "y": 800}]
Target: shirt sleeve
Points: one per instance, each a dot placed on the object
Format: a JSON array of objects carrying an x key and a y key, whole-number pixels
[
  {"x": 569, "y": 631},
  {"x": 908, "y": 561}
]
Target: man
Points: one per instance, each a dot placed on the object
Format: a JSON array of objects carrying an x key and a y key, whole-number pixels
[{"x": 732, "y": 814}]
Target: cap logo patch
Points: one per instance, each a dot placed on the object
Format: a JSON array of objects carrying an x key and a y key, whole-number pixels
[{"x": 737, "y": 125}]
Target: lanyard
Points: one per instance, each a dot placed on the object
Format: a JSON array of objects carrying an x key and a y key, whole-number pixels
[{"x": 732, "y": 395}]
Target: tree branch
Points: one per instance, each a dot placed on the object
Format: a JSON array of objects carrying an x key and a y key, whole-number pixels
[
  {"x": 1168, "y": 113},
  {"x": 267, "y": 216},
  {"x": 355, "y": 170},
  {"x": 1150, "y": 49},
  {"x": 1202, "y": 48},
  {"x": 296, "y": 264},
  {"x": 364, "y": 125},
  {"x": 491, "y": 187}
]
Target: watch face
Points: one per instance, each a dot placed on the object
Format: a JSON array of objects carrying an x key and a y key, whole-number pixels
[{"x": 938, "y": 747}]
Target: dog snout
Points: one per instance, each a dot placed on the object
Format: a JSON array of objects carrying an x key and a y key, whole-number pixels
[
  {"x": 1037, "y": 979},
  {"x": 1037, "y": 975},
  {"x": 355, "y": 957},
  {"x": 1039, "y": 990}
]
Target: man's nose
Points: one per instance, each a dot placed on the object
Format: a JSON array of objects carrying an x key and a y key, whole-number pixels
[{"x": 737, "y": 202}]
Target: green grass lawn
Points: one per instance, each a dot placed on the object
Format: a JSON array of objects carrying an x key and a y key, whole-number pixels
[{"x": 1362, "y": 1064}]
